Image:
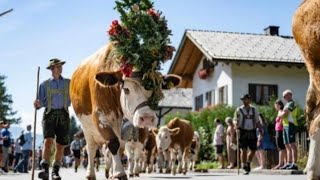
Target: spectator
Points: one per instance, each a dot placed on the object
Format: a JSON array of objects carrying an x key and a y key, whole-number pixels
[
  {"x": 218, "y": 142},
  {"x": 231, "y": 143},
  {"x": 18, "y": 152},
  {"x": 289, "y": 122},
  {"x": 264, "y": 144},
  {"x": 97, "y": 158},
  {"x": 6, "y": 135},
  {"x": 26, "y": 148},
  {"x": 279, "y": 135},
  {"x": 11, "y": 155},
  {"x": 39, "y": 157},
  {"x": 75, "y": 148},
  {"x": 246, "y": 121},
  {"x": 2, "y": 125}
]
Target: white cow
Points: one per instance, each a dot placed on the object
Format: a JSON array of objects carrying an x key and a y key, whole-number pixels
[{"x": 194, "y": 150}]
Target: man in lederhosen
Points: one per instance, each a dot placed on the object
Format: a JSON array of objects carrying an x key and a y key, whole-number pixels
[
  {"x": 246, "y": 120},
  {"x": 54, "y": 96}
]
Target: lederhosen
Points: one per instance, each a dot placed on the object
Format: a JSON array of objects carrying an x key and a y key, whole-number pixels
[
  {"x": 56, "y": 122},
  {"x": 248, "y": 138}
]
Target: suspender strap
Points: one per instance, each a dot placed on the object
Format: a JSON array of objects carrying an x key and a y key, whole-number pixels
[
  {"x": 248, "y": 113},
  {"x": 49, "y": 99},
  {"x": 65, "y": 94}
]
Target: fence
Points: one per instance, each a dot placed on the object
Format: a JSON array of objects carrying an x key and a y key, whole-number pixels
[{"x": 302, "y": 142}]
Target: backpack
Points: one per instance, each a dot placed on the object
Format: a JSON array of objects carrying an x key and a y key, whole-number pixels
[{"x": 22, "y": 141}]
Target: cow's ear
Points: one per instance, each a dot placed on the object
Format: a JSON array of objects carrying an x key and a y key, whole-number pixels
[
  {"x": 174, "y": 131},
  {"x": 155, "y": 131},
  {"x": 170, "y": 81},
  {"x": 109, "y": 78}
]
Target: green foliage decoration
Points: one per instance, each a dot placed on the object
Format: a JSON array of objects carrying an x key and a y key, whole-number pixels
[{"x": 141, "y": 43}]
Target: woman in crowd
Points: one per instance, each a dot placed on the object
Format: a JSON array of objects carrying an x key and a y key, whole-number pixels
[
  {"x": 231, "y": 143},
  {"x": 264, "y": 144},
  {"x": 279, "y": 136}
]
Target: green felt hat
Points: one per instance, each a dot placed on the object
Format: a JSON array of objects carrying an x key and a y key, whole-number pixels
[{"x": 55, "y": 61}]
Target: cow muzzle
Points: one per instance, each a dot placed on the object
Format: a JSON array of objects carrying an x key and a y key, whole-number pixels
[{"x": 147, "y": 120}]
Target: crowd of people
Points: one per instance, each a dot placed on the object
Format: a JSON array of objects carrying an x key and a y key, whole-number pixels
[
  {"x": 250, "y": 128},
  {"x": 15, "y": 153}
]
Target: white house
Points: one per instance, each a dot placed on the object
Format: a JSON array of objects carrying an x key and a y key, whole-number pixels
[
  {"x": 232, "y": 64},
  {"x": 175, "y": 101}
]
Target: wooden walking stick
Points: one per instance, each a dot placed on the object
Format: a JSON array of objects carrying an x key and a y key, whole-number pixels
[
  {"x": 238, "y": 149},
  {"x": 34, "y": 131}
]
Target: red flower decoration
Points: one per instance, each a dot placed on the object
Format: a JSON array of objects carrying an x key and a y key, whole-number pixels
[
  {"x": 115, "y": 28},
  {"x": 153, "y": 13},
  {"x": 126, "y": 69}
]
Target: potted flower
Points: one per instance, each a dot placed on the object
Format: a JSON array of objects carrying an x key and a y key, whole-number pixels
[{"x": 203, "y": 73}]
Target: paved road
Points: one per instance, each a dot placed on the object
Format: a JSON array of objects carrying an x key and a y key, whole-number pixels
[{"x": 68, "y": 174}]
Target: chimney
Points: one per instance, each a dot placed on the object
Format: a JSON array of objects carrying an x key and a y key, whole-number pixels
[{"x": 272, "y": 30}]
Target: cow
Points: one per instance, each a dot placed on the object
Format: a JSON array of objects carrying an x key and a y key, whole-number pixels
[
  {"x": 163, "y": 161},
  {"x": 177, "y": 137},
  {"x": 194, "y": 150},
  {"x": 306, "y": 32},
  {"x": 104, "y": 101},
  {"x": 150, "y": 152},
  {"x": 134, "y": 151},
  {"x": 108, "y": 157}
]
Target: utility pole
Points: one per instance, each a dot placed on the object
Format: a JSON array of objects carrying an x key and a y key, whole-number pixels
[{"x": 6, "y": 12}]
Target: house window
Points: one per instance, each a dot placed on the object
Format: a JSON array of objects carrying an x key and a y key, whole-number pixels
[
  {"x": 209, "y": 98},
  {"x": 223, "y": 95},
  {"x": 262, "y": 93},
  {"x": 198, "y": 102}
]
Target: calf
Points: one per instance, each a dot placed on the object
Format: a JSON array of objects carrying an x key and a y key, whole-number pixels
[
  {"x": 177, "y": 137},
  {"x": 194, "y": 150},
  {"x": 134, "y": 151},
  {"x": 150, "y": 151}
]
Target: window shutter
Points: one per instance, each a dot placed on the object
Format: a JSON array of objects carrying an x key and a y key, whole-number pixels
[{"x": 252, "y": 92}]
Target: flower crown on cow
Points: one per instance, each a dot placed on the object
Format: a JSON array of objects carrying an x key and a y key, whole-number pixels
[{"x": 141, "y": 43}]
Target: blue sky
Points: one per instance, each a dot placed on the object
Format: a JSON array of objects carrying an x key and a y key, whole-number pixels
[{"x": 38, "y": 30}]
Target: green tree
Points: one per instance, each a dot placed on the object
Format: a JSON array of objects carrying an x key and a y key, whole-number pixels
[{"x": 6, "y": 112}]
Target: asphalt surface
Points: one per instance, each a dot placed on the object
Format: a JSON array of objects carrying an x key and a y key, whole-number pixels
[{"x": 69, "y": 174}]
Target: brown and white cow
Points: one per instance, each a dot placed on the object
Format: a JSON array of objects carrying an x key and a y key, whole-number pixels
[
  {"x": 306, "y": 32},
  {"x": 177, "y": 137},
  {"x": 102, "y": 98},
  {"x": 150, "y": 153},
  {"x": 194, "y": 150},
  {"x": 134, "y": 151}
]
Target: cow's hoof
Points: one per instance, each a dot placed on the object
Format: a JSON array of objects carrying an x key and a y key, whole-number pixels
[
  {"x": 91, "y": 178},
  {"x": 142, "y": 171},
  {"x": 121, "y": 177},
  {"x": 136, "y": 175},
  {"x": 160, "y": 171},
  {"x": 184, "y": 172},
  {"x": 106, "y": 174},
  {"x": 131, "y": 176}
]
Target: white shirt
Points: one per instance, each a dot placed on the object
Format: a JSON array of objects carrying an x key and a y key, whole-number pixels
[{"x": 218, "y": 135}]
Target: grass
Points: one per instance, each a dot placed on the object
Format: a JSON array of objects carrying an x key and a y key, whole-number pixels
[{"x": 207, "y": 165}]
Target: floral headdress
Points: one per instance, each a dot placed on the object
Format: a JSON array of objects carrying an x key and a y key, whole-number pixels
[{"x": 141, "y": 43}]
